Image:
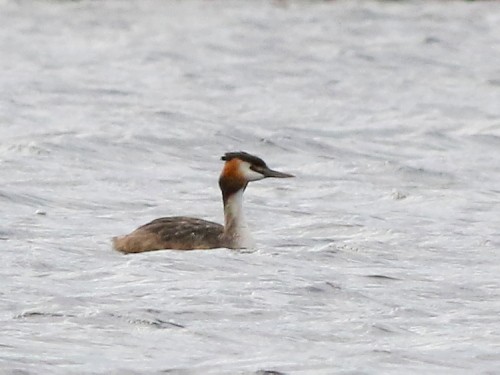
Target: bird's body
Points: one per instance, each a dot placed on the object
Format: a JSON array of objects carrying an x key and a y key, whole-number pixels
[
  {"x": 176, "y": 232},
  {"x": 186, "y": 233}
]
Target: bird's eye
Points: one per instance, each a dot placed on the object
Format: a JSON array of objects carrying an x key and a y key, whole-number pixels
[{"x": 256, "y": 168}]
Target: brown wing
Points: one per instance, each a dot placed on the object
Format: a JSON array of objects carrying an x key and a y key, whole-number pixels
[{"x": 179, "y": 232}]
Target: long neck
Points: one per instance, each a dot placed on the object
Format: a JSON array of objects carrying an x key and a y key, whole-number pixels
[{"x": 235, "y": 228}]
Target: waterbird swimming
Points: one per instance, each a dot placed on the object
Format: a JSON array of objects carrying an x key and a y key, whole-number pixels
[{"x": 187, "y": 233}]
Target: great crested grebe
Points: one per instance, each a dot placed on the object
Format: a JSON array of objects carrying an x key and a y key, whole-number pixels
[{"x": 187, "y": 233}]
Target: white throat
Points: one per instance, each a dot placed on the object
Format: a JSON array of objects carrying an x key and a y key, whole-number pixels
[{"x": 235, "y": 228}]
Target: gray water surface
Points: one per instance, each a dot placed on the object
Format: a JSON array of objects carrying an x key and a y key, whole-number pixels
[{"x": 380, "y": 257}]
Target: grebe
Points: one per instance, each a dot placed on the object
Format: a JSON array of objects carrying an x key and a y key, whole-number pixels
[{"x": 187, "y": 233}]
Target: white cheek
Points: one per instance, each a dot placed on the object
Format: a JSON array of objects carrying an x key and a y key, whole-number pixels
[{"x": 248, "y": 173}]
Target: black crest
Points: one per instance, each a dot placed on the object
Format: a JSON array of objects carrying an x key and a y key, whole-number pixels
[{"x": 254, "y": 160}]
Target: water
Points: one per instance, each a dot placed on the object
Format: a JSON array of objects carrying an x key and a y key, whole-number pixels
[{"x": 381, "y": 256}]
